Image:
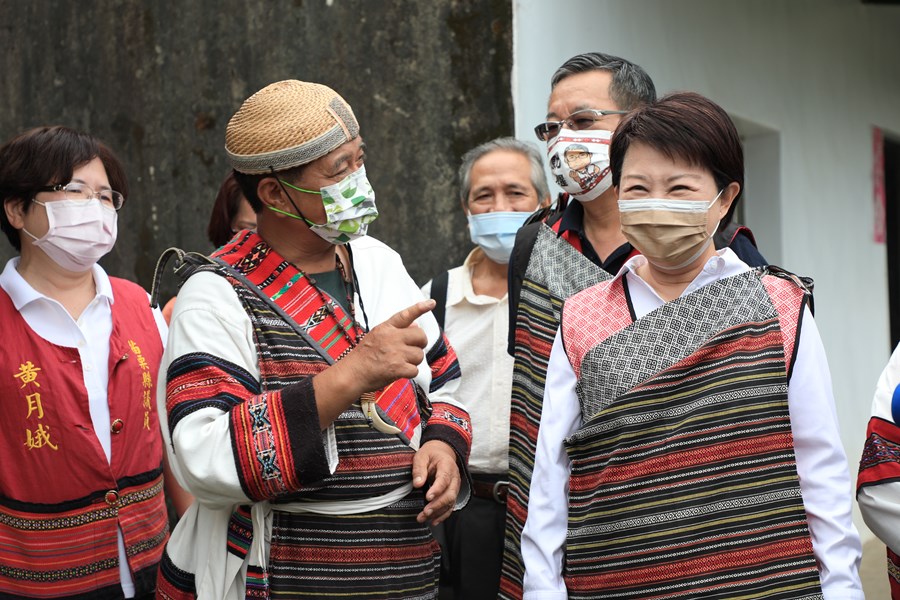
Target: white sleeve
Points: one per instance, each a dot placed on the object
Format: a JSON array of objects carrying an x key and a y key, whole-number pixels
[
  {"x": 202, "y": 459},
  {"x": 544, "y": 534},
  {"x": 200, "y": 446},
  {"x": 880, "y": 503},
  {"x": 160, "y": 324},
  {"x": 822, "y": 468}
]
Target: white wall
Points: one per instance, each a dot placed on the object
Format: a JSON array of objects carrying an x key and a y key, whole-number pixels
[{"x": 820, "y": 73}]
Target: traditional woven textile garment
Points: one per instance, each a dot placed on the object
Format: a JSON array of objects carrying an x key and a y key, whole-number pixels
[
  {"x": 683, "y": 475},
  {"x": 556, "y": 270},
  {"x": 61, "y": 501},
  {"x": 336, "y": 508},
  {"x": 878, "y": 483}
]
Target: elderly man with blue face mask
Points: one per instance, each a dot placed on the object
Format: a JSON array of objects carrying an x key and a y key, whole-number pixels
[{"x": 501, "y": 183}]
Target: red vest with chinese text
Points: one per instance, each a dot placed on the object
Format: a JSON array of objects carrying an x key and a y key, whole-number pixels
[{"x": 61, "y": 501}]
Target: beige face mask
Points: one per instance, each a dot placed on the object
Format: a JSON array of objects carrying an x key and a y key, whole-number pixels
[{"x": 670, "y": 233}]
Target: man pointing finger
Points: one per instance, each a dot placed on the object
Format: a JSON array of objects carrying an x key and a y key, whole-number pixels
[{"x": 309, "y": 391}]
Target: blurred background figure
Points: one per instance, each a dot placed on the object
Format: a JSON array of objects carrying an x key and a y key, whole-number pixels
[
  {"x": 82, "y": 512},
  {"x": 501, "y": 183},
  {"x": 231, "y": 213}
]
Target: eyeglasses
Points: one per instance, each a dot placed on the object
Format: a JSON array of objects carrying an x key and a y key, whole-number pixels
[
  {"x": 81, "y": 192},
  {"x": 577, "y": 121}
]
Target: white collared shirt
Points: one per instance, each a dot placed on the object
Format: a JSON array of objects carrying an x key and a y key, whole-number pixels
[
  {"x": 821, "y": 461},
  {"x": 477, "y": 326},
  {"x": 90, "y": 336}
]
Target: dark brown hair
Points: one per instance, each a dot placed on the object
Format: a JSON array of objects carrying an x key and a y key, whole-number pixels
[
  {"x": 48, "y": 156},
  {"x": 684, "y": 126},
  {"x": 226, "y": 206}
]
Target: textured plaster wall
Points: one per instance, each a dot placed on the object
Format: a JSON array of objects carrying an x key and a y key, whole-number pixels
[{"x": 158, "y": 82}]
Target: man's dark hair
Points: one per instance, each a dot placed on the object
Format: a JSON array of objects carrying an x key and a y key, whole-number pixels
[
  {"x": 46, "y": 156},
  {"x": 631, "y": 86},
  {"x": 688, "y": 127}
]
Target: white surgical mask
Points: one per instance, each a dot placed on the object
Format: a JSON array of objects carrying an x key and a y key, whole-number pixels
[
  {"x": 671, "y": 234},
  {"x": 80, "y": 232},
  {"x": 495, "y": 232},
  {"x": 580, "y": 162},
  {"x": 349, "y": 208}
]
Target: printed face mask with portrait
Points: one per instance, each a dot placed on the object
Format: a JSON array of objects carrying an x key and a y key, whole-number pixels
[
  {"x": 349, "y": 208},
  {"x": 80, "y": 232},
  {"x": 579, "y": 161}
]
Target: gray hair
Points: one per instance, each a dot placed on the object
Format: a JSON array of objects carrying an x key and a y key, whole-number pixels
[
  {"x": 631, "y": 86},
  {"x": 509, "y": 144}
]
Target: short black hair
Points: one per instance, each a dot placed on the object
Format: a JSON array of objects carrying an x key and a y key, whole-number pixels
[
  {"x": 45, "y": 156},
  {"x": 631, "y": 86}
]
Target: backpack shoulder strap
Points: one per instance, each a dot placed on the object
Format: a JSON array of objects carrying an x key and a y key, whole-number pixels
[
  {"x": 439, "y": 294},
  {"x": 186, "y": 264}
]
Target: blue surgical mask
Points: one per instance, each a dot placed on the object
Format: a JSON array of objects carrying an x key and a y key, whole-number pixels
[{"x": 495, "y": 232}]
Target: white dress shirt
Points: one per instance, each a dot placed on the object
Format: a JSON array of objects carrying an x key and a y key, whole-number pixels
[
  {"x": 477, "y": 326},
  {"x": 90, "y": 335},
  {"x": 821, "y": 461},
  {"x": 880, "y": 503}
]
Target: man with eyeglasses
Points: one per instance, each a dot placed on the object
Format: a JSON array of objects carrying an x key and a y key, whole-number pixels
[
  {"x": 569, "y": 248},
  {"x": 566, "y": 250}
]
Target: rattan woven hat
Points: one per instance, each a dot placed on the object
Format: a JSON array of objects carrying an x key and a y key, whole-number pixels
[{"x": 288, "y": 124}]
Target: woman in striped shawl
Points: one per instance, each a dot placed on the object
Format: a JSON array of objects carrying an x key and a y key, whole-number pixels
[{"x": 689, "y": 445}]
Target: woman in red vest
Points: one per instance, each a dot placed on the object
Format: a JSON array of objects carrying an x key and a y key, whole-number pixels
[{"x": 82, "y": 512}]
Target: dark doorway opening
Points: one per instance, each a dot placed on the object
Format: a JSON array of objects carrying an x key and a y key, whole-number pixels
[{"x": 892, "y": 223}]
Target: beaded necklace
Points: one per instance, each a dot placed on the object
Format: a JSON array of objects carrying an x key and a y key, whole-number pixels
[{"x": 368, "y": 401}]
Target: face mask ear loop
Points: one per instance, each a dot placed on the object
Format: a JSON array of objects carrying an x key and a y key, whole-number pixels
[{"x": 291, "y": 200}]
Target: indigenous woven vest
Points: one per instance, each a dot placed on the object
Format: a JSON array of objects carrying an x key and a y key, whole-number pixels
[
  {"x": 556, "y": 270},
  {"x": 684, "y": 481},
  {"x": 61, "y": 502},
  {"x": 372, "y": 463},
  {"x": 880, "y": 463}
]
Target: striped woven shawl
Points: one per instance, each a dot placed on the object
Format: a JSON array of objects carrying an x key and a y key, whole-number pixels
[
  {"x": 684, "y": 481},
  {"x": 555, "y": 271}
]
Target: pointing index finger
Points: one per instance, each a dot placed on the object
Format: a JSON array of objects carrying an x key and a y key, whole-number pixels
[{"x": 408, "y": 315}]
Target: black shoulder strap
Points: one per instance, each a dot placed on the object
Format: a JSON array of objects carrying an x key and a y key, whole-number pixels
[
  {"x": 232, "y": 272},
  {"x": 186, "y": 264},
  {"x": 439, "y": 294},
  {"x": 804, "y": 283}
]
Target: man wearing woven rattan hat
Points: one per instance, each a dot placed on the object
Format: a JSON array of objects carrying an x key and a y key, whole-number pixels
[{"x": 303, "y": 413}]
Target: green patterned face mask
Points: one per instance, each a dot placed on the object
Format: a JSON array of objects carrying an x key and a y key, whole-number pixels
[{"x": 349, "y": 208}]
